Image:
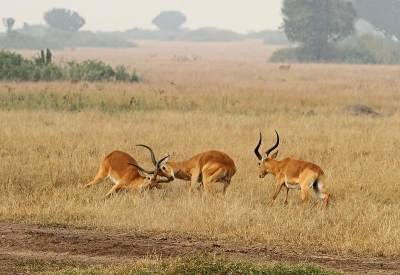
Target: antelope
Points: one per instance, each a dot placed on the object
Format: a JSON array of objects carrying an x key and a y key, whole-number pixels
[
  {"x": 124, "y": 172},
  {"x": 284, "y": 67},
  {"x": 206, "y": 168},
  {"x": 293, "y": 174}
]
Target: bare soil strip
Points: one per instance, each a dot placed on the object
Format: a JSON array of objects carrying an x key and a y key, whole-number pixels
[{"x": 28, "y": 242}]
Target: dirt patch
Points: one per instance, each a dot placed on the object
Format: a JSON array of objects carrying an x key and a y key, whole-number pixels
[
  {"x": 359, "y": 110},
  {"x": 29, "y": 242}
]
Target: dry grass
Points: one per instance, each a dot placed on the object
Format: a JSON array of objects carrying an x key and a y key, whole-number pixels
[{"x": 219, "y": 102}]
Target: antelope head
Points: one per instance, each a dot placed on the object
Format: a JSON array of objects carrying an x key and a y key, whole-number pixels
[
  {"x": 164, "y": 170},
  {"x": 265, "y": 163},
  {"x": 150, "y": 177}
]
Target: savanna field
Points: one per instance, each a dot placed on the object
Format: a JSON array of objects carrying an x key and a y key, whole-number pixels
[{"x": 196, "y": 97}]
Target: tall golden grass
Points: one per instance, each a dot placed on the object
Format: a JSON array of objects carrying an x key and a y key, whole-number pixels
[{"x": 221, "y": 101}]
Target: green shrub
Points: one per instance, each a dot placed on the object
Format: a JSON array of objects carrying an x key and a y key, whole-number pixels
[
  {"x": 91, "y": 70},
  {"x": 13, "y": 67},
  {"x": 122, "y": 75},
  {"x": 285, "y": 54},
  {"x": 384, "y": 51},
  {"x": 367, "y": 50},
  {"x": 351, "y": 54},
  {"x": 50, "y": 72}
]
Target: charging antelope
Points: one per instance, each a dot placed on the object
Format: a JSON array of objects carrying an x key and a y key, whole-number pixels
[
  {"x": 124, "y": 172},
  {"x": 293, "y": 174},
  {"x": 206, "y": 168}
]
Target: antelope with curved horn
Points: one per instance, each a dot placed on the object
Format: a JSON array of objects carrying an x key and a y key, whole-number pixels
[
  {"x": 124, "y": 172},
  {"x": 206, "y": 168},
  {"x": 292, "y": 173}
]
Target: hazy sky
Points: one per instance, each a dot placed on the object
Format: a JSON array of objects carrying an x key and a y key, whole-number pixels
[{"x": 119, "y": 15}]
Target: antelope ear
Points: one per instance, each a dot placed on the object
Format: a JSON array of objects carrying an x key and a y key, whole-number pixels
[
  {"x": 274, "y": 155},
  {"x": 165, "y": 160},
  {"x": 143, "y": 174}
]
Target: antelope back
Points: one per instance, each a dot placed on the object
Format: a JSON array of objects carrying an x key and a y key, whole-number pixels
[{"x": 116, "y": 163}]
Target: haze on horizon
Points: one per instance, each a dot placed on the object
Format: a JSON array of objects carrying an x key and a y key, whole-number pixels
[{"x": 241, "y": 16}]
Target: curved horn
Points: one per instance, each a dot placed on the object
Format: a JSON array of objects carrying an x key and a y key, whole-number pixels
[
  {"x": 153, "y": 158},
  {"x": 141, "y": 169},
  {"x": 163, "y": 181},
  {"x": 273, "y": 147},
  {"x": 158, "y": 164},
  {"x": 256, "y": 149}
]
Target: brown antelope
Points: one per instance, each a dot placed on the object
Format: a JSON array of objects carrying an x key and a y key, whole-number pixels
[
  {"x": 206, "y": 168},
  {"x": 124, "y": 172},
  {"x": 284, "y": 67},
  {"x": 293, "y": 174}
]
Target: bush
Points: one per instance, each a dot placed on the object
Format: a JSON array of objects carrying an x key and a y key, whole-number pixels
[
  {"x": 285, "y": 54},
  {"x": 122, "y": 75},
  {"x": 91, "y": 70},
  {"x": 383, "y": 51},
  {"x": 367, "y": 50},
  {"x": 13, "y": 67}
]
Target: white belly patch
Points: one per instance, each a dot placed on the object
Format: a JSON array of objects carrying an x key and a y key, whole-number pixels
[
  {"x": 114, "y": 180},
  {"x": 292, "y": 186}
]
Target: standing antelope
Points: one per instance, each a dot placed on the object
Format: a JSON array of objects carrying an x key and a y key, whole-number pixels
[
  {"x": 124, "y": 172},
  {"x": 206, "y": 168},
  {"x": 284, "y": 67},
  {"x": 293, "y": 174}
]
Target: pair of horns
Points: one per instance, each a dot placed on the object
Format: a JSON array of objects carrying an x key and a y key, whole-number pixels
[
  {"x": 156, "y": 163},
  {"x": 269, "y": 150},
  {"x": 153, "y": 158}
]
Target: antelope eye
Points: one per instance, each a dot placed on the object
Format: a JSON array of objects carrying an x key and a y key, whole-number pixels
[
  {"x": 148, "y": 178},
  {"x": 163, "y": 168},
  {"x": 259, "y": 164}
]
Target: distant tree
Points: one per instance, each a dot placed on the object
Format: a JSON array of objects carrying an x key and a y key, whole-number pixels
[
  {"x": 384, "y": 15},
  {"x": 169, "y": 20},
  {"x": 8, "y": 23},
  {"x": 318, "y": 24},
  {"x": 63, "y": 19}
]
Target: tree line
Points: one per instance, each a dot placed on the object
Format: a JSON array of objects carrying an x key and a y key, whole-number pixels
[{"x": 316, "y": 26}]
